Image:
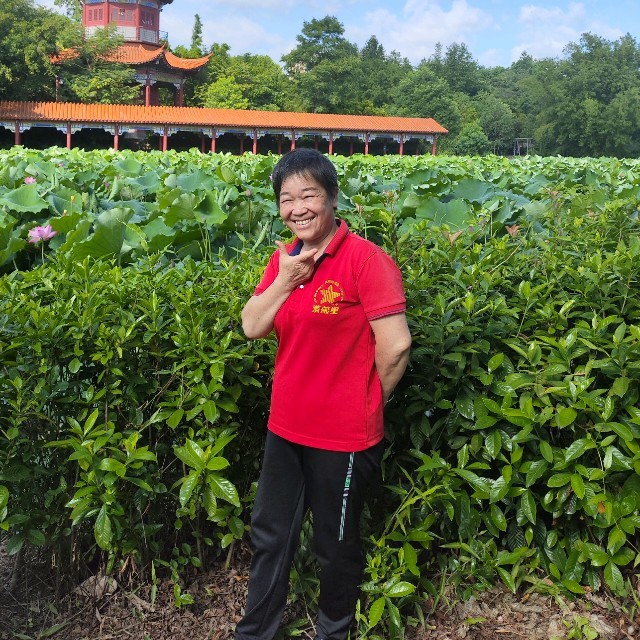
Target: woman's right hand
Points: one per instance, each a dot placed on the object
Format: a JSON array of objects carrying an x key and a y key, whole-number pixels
[{"x": 295, "y": 270}]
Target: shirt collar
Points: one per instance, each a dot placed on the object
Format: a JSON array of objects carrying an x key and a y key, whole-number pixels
[
  {"x": 332, "y": 247},
  {"x": 338, "y": 239}
]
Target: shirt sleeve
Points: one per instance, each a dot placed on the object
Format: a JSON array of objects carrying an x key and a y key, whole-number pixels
[
  {"x": 269, "y": 275},
  {"x": 380, "y": 287}
]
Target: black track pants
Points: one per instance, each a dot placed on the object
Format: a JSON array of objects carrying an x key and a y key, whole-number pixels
[{"x": 333, "y": 485}]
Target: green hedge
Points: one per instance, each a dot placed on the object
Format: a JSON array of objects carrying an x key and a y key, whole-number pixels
[{"x": 132, "y": 409}]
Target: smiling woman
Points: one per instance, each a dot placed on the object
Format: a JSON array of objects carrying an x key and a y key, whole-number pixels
[
  {"x": 308, "y": 211},
  {"x": 337, "y": 306}
]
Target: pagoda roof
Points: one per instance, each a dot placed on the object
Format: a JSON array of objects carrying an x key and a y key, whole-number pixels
[
  {"x": 135, "y": 54},
  {"x": 56, "y": 112}
]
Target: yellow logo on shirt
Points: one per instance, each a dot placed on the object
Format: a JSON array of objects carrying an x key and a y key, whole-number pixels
[{"x": 326, "y": 297}]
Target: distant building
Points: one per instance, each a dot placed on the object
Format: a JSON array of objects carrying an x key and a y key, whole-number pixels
[{"x": 145, "y": 46}]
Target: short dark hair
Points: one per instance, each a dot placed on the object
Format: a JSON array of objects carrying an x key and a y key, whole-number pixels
[{"x": 307, "y": 162}]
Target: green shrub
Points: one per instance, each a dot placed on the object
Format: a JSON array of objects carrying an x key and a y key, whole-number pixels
[
  {"x": 132, "y": 409},
  {"x": 121, "y": 393}
]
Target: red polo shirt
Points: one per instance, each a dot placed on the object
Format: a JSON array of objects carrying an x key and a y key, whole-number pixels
[{"x": 326, "y": 391}]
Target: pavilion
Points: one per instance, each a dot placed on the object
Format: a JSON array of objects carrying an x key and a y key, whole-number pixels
[
  {"x": 144, "y": 47},
  {"x": 248, "y": 127}
]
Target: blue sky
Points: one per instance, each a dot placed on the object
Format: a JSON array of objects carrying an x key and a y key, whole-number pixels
[{"x": 495, "y": 31}]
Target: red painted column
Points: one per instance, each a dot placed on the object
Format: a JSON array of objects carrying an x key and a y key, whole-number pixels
[
  {"x": 241, "y": 144},
  {"x": 366, "y": 144},
  {"x": 293, "y": 139},
  {"x": 202, "y": 143},
  {"x": 147, "y": 93},
  {"x": 255, "y": 142},
  {"x": 351, "y": 147},
  {"x": 17, "y": 138},
  {"x": 213, "y": 140},
  {"x": 180, "y": 96},
  {"x": 68, "y": 135},
  {"x": 116, "y": 137},
  {"x": 330, "y": 143},
  {"x": 433, "y": 145},
  {"x": 165, "y": 137}
]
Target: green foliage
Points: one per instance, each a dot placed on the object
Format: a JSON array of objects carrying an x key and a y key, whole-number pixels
[
  {"x": 320, "y": 40},
  {"x": 29, "y": 37},
  {"x": 472, "y": 140},
  {"x": 422, "y": 94},
  {"x": 224, "y": 93},
  {"x": 132, "y": 409},
  {"x": 90, "y": 75},
  {"x": 247, "y": 82},
  {"x": 497, "y": 121},
  {"x": 122, "y": 391}
]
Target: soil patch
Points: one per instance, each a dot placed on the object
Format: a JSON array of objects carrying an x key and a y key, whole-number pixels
[{"x": 103, "y": 609}]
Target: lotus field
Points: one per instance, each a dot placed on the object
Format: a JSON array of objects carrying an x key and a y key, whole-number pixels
[{"x": 132, "y": 408}]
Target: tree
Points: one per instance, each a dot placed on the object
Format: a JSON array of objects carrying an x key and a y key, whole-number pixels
[
  {"x": 332, "y": 86},
  {"x": 381, "y": 74},
  {"x": 73, "y": 8},
  {"x": 224, "y": 93},
  {"x": 196, "y": 37},
  {"x": 621, "y": 133},
  {"x": 325, "y": 68},
  {"x": 320, "y": 40},
  {"x": 29, "y": 38},
  {"x": 91, "y": 75},
  {"x": 574, "y": 95},
  {"x": 459, "y": 69},
  {"x": 497, "y": 121},
  {"x": 196, "y": 48},
  {"x": 218, "y": 64},
  {"x": 257, "y": 81},
  {"x": 472, "y": 141},
  {"x": 421, "y": 94}
]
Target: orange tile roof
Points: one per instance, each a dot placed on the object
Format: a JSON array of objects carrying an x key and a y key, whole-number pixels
[
  {"x": 186, "y": 63},
  {"x": 63, "y": 55},
  {"x": 135, "y": 53},
  {"x": 56, "y": 112}
]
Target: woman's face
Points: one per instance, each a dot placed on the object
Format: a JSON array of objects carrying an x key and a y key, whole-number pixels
[{"x": 308, "y": 210}]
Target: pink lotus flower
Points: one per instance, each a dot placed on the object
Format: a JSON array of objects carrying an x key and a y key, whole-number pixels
[
  {"x": 29, "y": 180},
  {"x": 41, "y": 233}
]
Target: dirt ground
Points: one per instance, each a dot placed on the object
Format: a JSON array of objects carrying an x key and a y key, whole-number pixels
[{"x": 102, "y": 609}]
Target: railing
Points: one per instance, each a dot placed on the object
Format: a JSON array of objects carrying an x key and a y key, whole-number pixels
[{"x": 136, "y": 34}]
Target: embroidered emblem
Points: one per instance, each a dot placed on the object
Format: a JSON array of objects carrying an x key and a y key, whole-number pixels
[{"x": 326, "y": 297}]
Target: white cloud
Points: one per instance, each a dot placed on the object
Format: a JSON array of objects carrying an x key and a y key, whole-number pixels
[
  {"x": 421, "y": 25},
  {"x": 538, "y": 16},
  {"x": 491, "y": 58},
  {"x": 242, "y": 34},
  {"x": 546, "y": 31}
]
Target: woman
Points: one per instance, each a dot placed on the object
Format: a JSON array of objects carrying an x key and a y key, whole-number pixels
[{"x": 337, "y": 305}]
